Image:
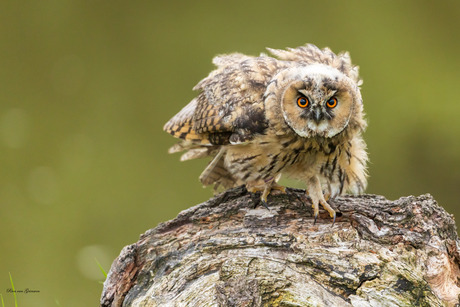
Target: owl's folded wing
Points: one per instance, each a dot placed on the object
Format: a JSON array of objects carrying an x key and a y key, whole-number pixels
[{"x": 229, "y": 108}]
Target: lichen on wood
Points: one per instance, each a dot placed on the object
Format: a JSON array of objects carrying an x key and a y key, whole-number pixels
[{"x": 229, "y": 251}]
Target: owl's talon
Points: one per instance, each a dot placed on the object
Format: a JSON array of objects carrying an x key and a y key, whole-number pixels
[
  {"x": 264, "y": 203},
  {"x": 327, "y": 207},
  {"x": 266, "y": 190},
  {"x": 264, "y": 196}
]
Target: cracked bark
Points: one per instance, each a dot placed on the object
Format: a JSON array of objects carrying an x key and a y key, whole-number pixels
[{"x": 227, "y": 252}]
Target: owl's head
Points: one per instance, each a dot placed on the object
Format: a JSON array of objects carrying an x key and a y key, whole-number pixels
[{"x": 318, "y": 100}]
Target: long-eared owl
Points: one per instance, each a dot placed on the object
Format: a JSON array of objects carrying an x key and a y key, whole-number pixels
[{"x": 299, "y": 114}]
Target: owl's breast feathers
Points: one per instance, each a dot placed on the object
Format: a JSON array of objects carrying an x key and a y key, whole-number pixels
[{"x": 339, "y": 163}]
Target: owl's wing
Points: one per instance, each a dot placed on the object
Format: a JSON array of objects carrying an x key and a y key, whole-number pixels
[
  {"x": 229, "y": 108},
  {"x": 310, "y": 54}
]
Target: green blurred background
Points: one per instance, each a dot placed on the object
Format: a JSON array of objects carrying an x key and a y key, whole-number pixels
[{"x": 86, "y": 86}]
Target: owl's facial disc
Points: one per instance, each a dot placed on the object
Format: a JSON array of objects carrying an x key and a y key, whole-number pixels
[{"x": 318, "y": 105}]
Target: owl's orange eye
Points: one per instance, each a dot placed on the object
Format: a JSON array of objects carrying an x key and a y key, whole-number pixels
[
  {"x": 332, "y": 102},
  {"x": 302, "y": 101}
]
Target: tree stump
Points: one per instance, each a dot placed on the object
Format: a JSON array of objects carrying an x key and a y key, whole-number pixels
[{"x": 229, "y": 251}]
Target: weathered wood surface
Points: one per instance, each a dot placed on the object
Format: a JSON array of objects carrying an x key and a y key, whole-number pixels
[{"x": 227, "y": 252}]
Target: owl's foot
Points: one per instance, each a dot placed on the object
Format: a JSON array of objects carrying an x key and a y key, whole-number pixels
[
  {"x": 317, "y": 197},
  {"x": 263, "y": 198},
  {"x": 328, "y": 208},
  {"x": 266, "y": 190}
]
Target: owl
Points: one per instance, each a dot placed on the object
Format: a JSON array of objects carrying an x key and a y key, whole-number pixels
[{"x": 297, "y": 113}]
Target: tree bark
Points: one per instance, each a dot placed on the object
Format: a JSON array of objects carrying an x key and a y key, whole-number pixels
[{"x": 229, "y": 251}]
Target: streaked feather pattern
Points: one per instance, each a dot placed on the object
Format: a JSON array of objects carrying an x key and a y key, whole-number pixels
[{"x": 246, "y": 118}]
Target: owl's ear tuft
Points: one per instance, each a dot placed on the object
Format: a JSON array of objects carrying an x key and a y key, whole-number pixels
[
  {"x": 229, "y": 59},
  {"x": 310, "y": 54}
]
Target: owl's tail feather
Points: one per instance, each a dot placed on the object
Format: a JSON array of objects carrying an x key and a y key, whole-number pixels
[
  {"x": 216, "y": 173},
  {"x": 192, "y": 150}
]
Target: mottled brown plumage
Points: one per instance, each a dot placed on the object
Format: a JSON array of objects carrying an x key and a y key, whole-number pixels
[{"x": 299, "y": 114}]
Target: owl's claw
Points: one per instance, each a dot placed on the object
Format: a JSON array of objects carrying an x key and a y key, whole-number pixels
[
  {"x": 266, "y": 190},
  {"x": 327, "y": 207},
  {"x": 330, "y": 210},
  {"x": 262, "y": 199},
  {"x": 264, "y": 203}
]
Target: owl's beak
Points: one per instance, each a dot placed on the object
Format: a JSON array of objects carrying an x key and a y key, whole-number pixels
[{"x": 317, "y": 114}]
